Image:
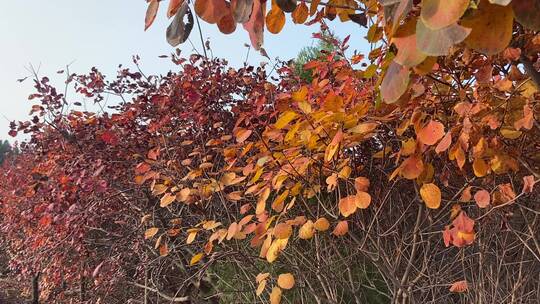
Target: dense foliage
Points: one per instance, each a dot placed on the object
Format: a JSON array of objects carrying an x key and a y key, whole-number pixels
[{"x": 406, "y": 176}]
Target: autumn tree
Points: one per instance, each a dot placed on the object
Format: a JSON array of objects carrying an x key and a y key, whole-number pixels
[{"x": 406, "y": 175}]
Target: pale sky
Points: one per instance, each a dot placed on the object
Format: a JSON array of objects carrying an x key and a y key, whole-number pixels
[{"x": 104, "y": 33}]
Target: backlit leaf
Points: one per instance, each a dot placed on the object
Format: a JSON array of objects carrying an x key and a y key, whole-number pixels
[
  {"x": 151, "y": 13},
  {"x": 285, "y": 119},
  {"x": 491, "y": 26},
  {"x": 438, "y": 42},
  {"x": 437, "y": 14},
  {"x": 395, "y": 82},
  {"x": 275, "y": 20}
]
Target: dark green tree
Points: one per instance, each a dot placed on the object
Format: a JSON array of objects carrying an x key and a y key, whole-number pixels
[
  {"x": 5, "y": 148},
  {"x": 327, "y": 43}
]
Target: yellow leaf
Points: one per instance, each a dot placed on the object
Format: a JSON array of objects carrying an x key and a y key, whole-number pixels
[
  {"x": 285, "y": 119},
  {"x": 196, "y": 258},
  {"x": 278, "y": 204},
  {"x": 300, "y": 95},
  {"x": 431, "y": 194},
  {"x": 150, "y": 232},
  {"x": 364, "y": 128},
  {"x": 261, "y": 203},
  {"x": 480, "y": 167},
  {"x": 275, "y": 295},
  {"x": 333, "y": 146},
  {"x": 191, "y": 236},
  {"x": 260, "y": 288},
  {"x": 306, "y": 231},
  {"x": 286, "y": 280}
]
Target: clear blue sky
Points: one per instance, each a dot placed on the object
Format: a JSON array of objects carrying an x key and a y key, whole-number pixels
[{"x": 104, "y": 33}]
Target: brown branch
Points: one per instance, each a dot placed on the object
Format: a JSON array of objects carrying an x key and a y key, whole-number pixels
[{"x": 530, "y": 70}]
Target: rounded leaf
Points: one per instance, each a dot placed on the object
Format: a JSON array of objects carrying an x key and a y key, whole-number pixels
[
  {"x": 363, "y": 200},
  {"x": 347, "y": 205},
  {"x": 437, "y": 14},
  {"x": 482, "y": 198},
  {"x": 431, "y": 133},
  {"x": 438, "y": 42},
  {"x": 286, "y": 281},
  {"x": 341, "y": 228},
  {"x": 395, "y": 82},
  {"x": 321, "y": 224},
  {"x": 275, "y": 295},
  {"x": 491, "y": 26},
  {"x": 526, "y": 12},
  {"x": 275, "y": 20},
  {"x": 431, "y": 195}
]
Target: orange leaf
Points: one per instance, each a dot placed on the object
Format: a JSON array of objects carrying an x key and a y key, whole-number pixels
[
  {"x": 174, "y": 5},
  {"x": 282, "y": 231},
  {"x": 395, "y": 82},
  {"x": 431, "y": 195},
  {"x": 163, "y": 249},
  {"x": 211, "y": 11},
  {"x": 341, "y": 228},
  {"x": 362, "y": 200},
  {"x": 412, "y": 167},
  {"x": 151, "y": 13},
  {"x": 255, "y": 24},
  {"x": 166, "y": 200},
  {"x": 361, "y": 184},
  {"x": 431, "y": 133},
  {"x": 482, "y": 198},
  {"x": 242, "y": 134},
  {"x": 480, "y": 167},
  {"x": 347, "y": 205},
  {"x": 528, "y": 184},
  {"x": 459, "y": 286},
  {"x": 275, "y": 20},
  {"x": 286, "y": 281},
  {"x": 321, "y": 224},
  {"x": 437, "y": 14},
  {"x": 226, "y": 24},
  {"x": 300, "y": 14},
  {"x": 489, "y": 37}
]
